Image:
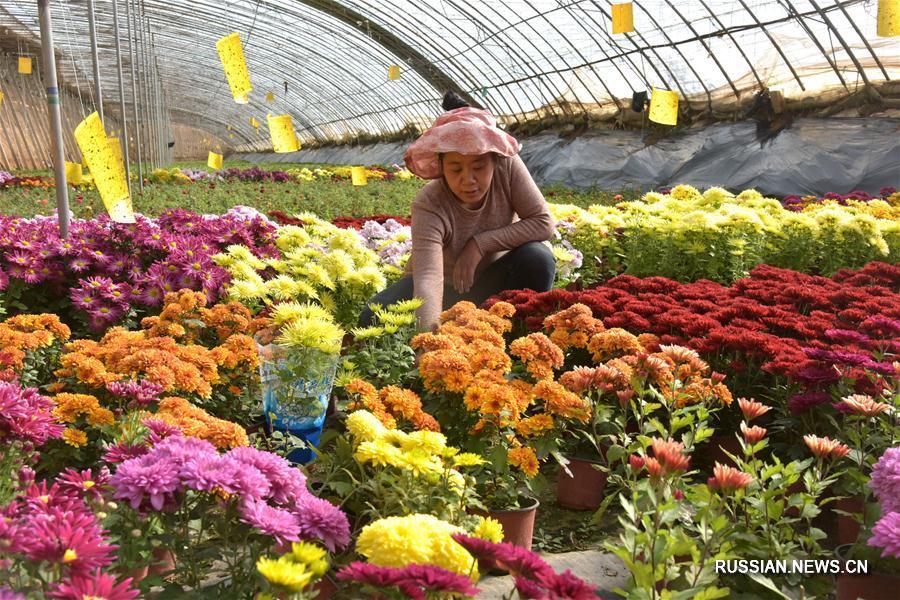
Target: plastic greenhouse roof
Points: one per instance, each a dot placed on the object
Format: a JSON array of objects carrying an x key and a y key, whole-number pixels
[{"x": 326, "y": 61}]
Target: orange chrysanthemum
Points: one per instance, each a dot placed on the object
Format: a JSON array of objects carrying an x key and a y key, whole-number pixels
[
  {"x": 824, "y": 447},
  {"x": 752, "y": 434},
  {"x": 861, "y": 404},
  {"x": 752, "y": 409},
  {"x": 560, "y": 401},
  {"x": 195, "y": 422},
  {"x": 523, "y": 459},
  {"x": 613, "y": 343},
  {"x": 670, "y": 455},
  {"x": 729, "y": 479}
]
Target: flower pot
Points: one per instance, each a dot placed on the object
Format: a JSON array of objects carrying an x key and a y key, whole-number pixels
[
  {"x": 848, "y": 527},
  {"x": 872, "y": 586},
  {"x": 583, "y": 489},
  {"x": 518, "y": 523},
  {"x": 163, "y": 561},
  {"x": 326, "y": 588},
  {"x": 296, "y": 387}
]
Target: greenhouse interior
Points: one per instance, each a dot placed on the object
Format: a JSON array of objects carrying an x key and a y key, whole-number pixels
[{"x": 511, "y": 299}]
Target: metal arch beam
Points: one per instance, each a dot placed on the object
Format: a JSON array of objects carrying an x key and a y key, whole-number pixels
[{"x": 435, "y": 76}]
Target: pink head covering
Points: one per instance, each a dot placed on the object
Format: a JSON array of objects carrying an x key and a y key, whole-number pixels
[{"x": 465, "y": 130}]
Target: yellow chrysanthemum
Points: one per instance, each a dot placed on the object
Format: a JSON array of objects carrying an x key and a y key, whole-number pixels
[
  {"x": 467, "y": 459},
  {"x": 414, "y": 539},
  {"x": 489, "y": 529},
  {"x": 284, "y": 573},
  {"x": 364, "y": 426}
]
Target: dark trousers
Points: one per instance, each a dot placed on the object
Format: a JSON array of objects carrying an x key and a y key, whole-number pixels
[{"x": 530, "y": 266}]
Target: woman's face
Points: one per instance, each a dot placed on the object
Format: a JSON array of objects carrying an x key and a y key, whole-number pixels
[{"x": 468, "y": 175}]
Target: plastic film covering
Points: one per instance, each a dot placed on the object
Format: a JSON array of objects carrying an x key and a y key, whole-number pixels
[{"x": 547, "y": 61}]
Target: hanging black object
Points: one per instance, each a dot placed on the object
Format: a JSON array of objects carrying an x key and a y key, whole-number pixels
[
  {"x": 638, "y": 101},
  {"x": 285, "y": 88},
  {"x": 171, "y": 144}
]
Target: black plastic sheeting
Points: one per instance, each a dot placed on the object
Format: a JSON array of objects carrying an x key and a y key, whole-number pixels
[{"x": 812, "y": 156}]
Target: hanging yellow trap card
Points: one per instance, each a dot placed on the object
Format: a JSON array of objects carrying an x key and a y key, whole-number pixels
[
  {"x": 270, "y": 97},
  {"x": 394, "y": 72},
  {"x": 74, "y": 175},
  {"x": 232, "y": 54},
  {"x": 664, "y": 107},
  {"x": 106, "y": 168},
  {"x": 358, "y": 175},
  {"x": 1, "y": 97},
  {"x": 214, "y": 161},
  {"x": 622, "y": 18},
  {"x": 25, "y": 65},
  {"x": 254, "y": 123},
  {"x": 281, "y": 128},
  {"x": 888, "y": 18}
]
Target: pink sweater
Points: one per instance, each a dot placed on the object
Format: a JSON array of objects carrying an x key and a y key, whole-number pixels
[{"x": 514, "y": 212}]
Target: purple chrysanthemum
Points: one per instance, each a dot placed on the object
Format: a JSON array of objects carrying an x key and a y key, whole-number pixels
[
  {"x": 285, "y": 480},
  {"x": 119, "y": 453},
  {"x": 886, "y": 535},
  {"x": 885, "y": 480},
  {"x": 320, "y": 520},
  {"x": 139, "y": 393},
  {"x": 151, "y": 480},
  {"x": 26, "y": 415},
  {"x": 800, "y": 403},
  {"x": 269, "y": 520}
]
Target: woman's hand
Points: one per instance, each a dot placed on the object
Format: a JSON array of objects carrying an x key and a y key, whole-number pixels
[{"x": 466, "y": 263}]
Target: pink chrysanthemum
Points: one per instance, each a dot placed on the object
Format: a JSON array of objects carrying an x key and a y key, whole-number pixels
[
  {"x": 100, "y": 586},
  {"x": 85, "y": 483},
  {"x": 148, "y": 480},
  {"x": 320, "y": 520},
  {"x": 886, "y": 535},
  {"x": 885, "y": 480},
  {"x": 269, "y": 520}
]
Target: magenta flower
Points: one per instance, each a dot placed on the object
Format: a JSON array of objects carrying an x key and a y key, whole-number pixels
[
  {"x": 268, "y": 520},
  {"x": 885, "y": 480},
  {"x": 886, "y": 535},
  {"x": 147, "y": 481},
  {"x": 320, "y": 520},
  {"x": 139, "y": 393},
  {"x": 800, "y": 403},
  {"x": 84, "y": 483},
  {"x": 515, "y": 559},
  {"x": 27, "y": 416},
  {"x": 287, "y": 482},
  {"x": 99, "y": 585},
  {"x": 119, "y": 453},
  {"x": 66, "y": 538},
  {"x": 415, "y": 581}
]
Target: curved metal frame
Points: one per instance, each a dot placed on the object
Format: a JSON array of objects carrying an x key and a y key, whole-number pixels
[{"x": 526, "y": 57}]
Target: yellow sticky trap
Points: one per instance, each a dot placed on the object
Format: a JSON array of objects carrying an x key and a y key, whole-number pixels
[
  {"x": 230, "y": 136},
  {"x": 116, "y": 148},
  {"x": 394, "y": 72},
  {"x": 74, "y": 174},
  {"x": 270, "y": 97},
  {"x": 106, "y": 168},
  {"x": 358, "y": 175},
  {"x": 1, "y": 98},
  {"x": 232, "y": 54},
  {"x": 214, "y": 161},
  {"x": 888, "y": 18},
  {"x": 622, "y": 18},
  {"x": 254, "y": 123},
  {"x": 25, "y": 65},
  {"x": 664, "y": 107},
  {"x": 281, "y": 128}
]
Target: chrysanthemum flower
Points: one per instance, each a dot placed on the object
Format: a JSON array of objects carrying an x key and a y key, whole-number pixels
[
  {"x": 824, "y": 447},
  {"x": 885, "y": 480},
  {"x": 284, "y": 574},
  {"x": 98, "y": 586},
  {"x": 752, "y": 434},
  {"x": 886, "y": 535},
  {"x": 864, "y": 405},
  {"x": 752, "y": 409},
  {"x": 729, "y": 479}
]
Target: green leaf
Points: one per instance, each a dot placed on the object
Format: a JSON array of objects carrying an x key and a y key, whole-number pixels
[{"x": 769, "y": 585}]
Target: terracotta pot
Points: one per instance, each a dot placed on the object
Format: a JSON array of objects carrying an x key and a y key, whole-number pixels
[
  {"x": 518, "y": 523},
  {"x": 137, "y": 575},
  {"x": 163, "y": 561},
  {"x": 847, "y": 527},
  {"x": 873, "y": 586},
  {"x": 583, "y": 490},
  {"x": 326, "y": 588}
]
